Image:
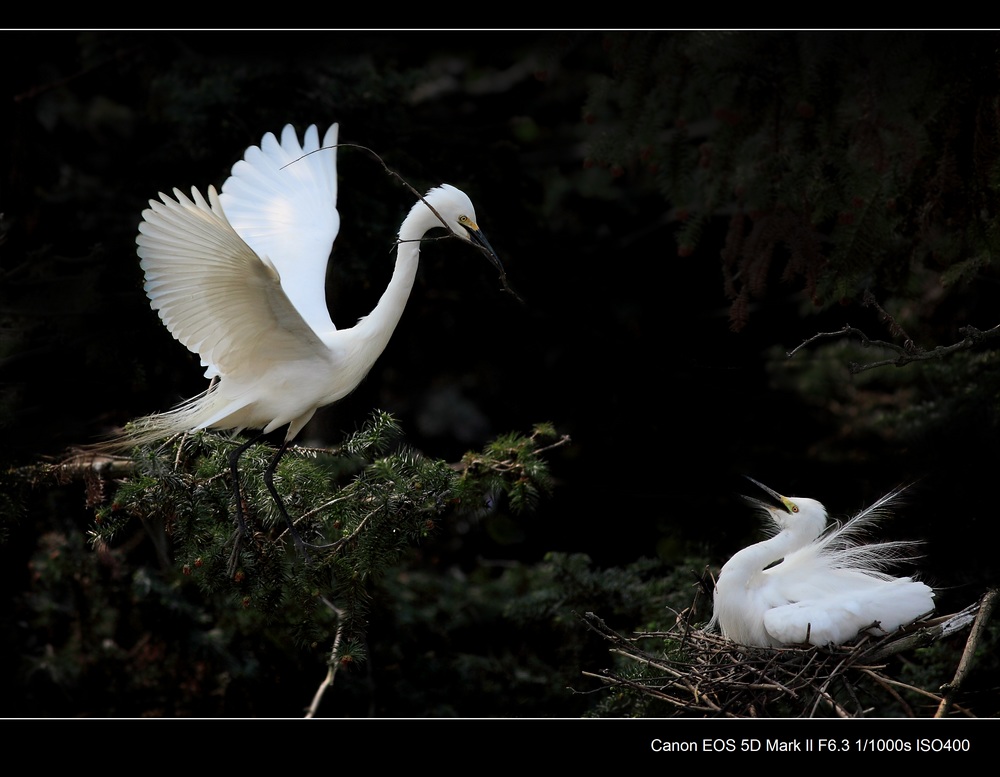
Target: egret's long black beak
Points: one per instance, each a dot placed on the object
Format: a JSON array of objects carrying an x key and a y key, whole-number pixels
[
  {"x": 479, "y": 239},
  {"x": 484, "y": 245},
  {"x": 785, "y": 502}
]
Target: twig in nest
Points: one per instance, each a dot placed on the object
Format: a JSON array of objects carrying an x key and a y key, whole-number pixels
[{"x": 699, "y": 673}]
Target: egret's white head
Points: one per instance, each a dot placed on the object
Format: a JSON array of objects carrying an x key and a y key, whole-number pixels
[
  {"x": 455, "y": 207},
  {"x": 459, "y": 216},
  {"x": 793, "y": 511}
]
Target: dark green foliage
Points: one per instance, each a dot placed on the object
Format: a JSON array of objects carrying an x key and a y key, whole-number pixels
[
  {"x": 118, "y": 638},
  {"x": 508, "y": 633},
  {"x": 841, "y": 161},
  {"x": 365, "y": 506},
  {"x": 360, "y": 509},
  {"x": 510, "y": 466},
  {"x": 504, "y": 638}
]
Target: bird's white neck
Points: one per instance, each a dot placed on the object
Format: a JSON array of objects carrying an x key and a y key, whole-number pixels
[
  {"x": 753, "y": 559},
  {"x": 381, "y": 322},
  {"x": 798, "y": 530}
]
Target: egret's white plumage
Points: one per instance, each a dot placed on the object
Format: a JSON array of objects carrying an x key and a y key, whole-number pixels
[
  {"x": 239, "y": 279},
  {"x": 827, "y": 587}
]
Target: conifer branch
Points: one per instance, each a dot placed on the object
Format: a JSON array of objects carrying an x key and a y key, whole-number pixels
[{"x": 363, "y": 503}]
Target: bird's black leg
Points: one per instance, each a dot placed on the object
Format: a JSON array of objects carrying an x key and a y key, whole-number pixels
[
  {"x": 269, "y": 482},
  {"x": 241, "y": 524}
]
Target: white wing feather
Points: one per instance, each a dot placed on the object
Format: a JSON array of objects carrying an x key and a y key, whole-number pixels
[
  {"x": 282, "y": 200},
  {"x": 213, "y": 293},
  {"x": 832, "y": 589},
  {"x": 843, "y": 547},
  {"x": 239, "y": 279},
  {"x": 857, "y": 606}
]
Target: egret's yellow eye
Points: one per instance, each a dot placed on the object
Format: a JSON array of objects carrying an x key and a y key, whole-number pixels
[{"x": 463, "y": 219}]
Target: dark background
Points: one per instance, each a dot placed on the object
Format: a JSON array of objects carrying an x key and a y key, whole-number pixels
[{"x": 625, "y": 340}]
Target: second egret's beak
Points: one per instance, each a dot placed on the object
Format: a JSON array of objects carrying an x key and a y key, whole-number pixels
[{"x": 787, "y": 503}]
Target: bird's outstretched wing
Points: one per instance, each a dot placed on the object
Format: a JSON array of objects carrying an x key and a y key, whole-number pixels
[
  {"x": 214, "y": 294},
  {"x": 282, "y": 200}
]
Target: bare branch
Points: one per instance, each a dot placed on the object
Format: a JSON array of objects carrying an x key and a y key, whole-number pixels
[
  {"x": 986, "y": 607},
  {"x": 331, "y": 672},
  {"x": 905, "y": 354}
]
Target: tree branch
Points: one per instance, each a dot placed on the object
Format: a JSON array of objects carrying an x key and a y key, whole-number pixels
[
  {"x": 986, "y": 607},
  {"x": 331, "y": 672},
  {"x": 904, "y": 353}
]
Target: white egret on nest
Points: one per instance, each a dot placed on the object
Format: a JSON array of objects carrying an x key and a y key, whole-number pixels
[{"x": 813, "y": 584}]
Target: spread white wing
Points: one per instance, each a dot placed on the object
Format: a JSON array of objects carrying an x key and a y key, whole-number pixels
[
  {"x": 214, "y": 294},
  {"x": 282, "y": 200}
]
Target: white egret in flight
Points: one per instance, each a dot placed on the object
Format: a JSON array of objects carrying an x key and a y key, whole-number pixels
[
  {"x": 810, "y": 584},
  {"x": 239, "y": 279}
]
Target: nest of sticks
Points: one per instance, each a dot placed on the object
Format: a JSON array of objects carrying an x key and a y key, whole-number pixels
[{"x": 696, "y": 673}]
